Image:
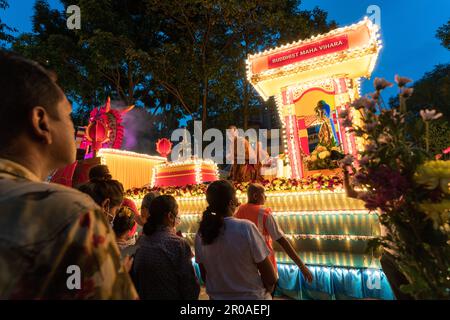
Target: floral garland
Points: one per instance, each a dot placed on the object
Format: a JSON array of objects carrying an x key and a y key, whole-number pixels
[{"x": 313, "y": 183}]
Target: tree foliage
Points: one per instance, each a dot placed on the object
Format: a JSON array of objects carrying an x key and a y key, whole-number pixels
[
  {"x": 443, "y": 34},
  {"x": 5, "y": 30}
]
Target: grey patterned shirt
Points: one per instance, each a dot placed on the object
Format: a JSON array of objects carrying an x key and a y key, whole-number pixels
[{"x": 163, "y": 268}]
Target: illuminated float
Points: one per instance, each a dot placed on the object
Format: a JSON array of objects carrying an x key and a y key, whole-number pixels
[{"x": 312, "y": 80}]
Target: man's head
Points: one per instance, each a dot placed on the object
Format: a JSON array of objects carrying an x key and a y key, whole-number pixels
[
  {"x": 35, "y": 116},
  {"x": 255, "y": 194}
]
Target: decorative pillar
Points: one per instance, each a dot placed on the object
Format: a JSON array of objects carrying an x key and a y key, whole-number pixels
[{"x": 292, "y": 135}]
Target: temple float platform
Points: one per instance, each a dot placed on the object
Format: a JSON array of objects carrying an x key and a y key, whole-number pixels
[{"x": 329, "y": 231}]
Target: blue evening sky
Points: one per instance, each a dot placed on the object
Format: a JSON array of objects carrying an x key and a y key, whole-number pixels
[{"x": 408, "y": 31}]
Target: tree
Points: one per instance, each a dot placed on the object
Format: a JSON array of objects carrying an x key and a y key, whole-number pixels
[
  {"x": 443, "y": 33},
  {"x": 5, "y": 36}
]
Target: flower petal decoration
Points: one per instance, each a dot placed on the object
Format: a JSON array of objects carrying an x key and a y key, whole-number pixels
[
  {"x": 402, "y": 81},
  {"x": 381, "y": 83},
  {"x": 428, "y": 115}
]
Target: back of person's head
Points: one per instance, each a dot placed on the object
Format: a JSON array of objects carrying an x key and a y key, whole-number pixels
[
  {"x": 106, "y": 193},
  {"x": 123, "y": 221},
  {"x": 163, "y": 209},
  {"x": 32, "y": 105},
  {"x": 100, "y": 172},
  {"x": 221, "y": 198},
  {"x": 149, "y": 197},
  {"x": 255, "y": 192}
]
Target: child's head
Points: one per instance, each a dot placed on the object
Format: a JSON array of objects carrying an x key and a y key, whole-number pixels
[
  {"x": 255, "y": 194},
  {"x": 123, "y": 222}
]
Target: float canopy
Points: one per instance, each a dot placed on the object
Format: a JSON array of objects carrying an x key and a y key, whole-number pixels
[{"x": 349, "y": 52}]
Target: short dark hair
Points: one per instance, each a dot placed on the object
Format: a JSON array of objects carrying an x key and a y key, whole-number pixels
[
  {"x": 24, "y": 84},
  {"x": 149, "y": 197},
  {"x": 159, "y": 208}
]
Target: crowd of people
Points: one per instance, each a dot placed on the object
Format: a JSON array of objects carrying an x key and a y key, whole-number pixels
[{"x": 46, "y": 229}]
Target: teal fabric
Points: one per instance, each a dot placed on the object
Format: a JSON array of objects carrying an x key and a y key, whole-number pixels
[{"x": 330, "y": 283}]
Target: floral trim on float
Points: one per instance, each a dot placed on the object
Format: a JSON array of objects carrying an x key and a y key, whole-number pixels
[{"x": 317, "y": 183}]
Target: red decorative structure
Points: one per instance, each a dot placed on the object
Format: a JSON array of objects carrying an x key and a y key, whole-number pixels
[
  {"x": 105, "y": 128},
  {"x": 164, "y": 147}
]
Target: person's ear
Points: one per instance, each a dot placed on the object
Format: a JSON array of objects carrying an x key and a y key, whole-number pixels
[
  {"x": 105, "y": 205},
  {"x": 40, "y": 124}
]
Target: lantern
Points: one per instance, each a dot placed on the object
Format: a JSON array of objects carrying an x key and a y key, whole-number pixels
[{"x": 164, "y": 147}]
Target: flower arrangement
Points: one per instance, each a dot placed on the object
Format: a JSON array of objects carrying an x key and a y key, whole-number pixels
[
  {"x": 317, "y": 182},
  {"x": 407, "y": 187},
  {"x": 324, "y": 157}
]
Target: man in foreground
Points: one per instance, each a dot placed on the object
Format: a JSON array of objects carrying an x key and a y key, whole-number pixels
[{"x": 54, "y": 241}]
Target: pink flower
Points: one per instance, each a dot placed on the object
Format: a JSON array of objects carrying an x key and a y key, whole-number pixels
[
  {"x": 402, "y": 81},
  {"x": 407, "y": 92},
  {"x": 384, "y": 138},
  {"x": 364, "y": 161},
  {"x": 343, "y": 114},
  {"x": 381, "y": 83},
  {"x": 428, "y": 115},
  {"x": 364, "y": 102},
  {"x": 347, "y": 122},
  {"x": 370, "y": 147},
  {"x": 371, "y": 125},
  {"x": 347, "y": 160}
]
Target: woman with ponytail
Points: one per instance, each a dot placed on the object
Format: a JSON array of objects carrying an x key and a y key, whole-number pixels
[
  {"x": 162, "y": 267},
  {"x": 232, "y": 255}
]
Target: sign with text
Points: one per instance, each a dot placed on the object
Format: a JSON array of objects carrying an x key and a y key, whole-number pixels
[{"x": 326, "y": 46}]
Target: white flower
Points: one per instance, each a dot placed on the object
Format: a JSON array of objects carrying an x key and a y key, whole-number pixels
[{"x": 428, "y": 115}]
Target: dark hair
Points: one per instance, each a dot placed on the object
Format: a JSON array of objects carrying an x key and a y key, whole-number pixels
[
  {"x": 99, "y": 172},
  {"x": 218, "y": 195},
  {"x": 159, "y": 207},
  {"x": 100, "y": 190},
  {"x": 123, "y": 221},
  {"x": 24, "y": 84},
  {"x": 149, "y": 197}
]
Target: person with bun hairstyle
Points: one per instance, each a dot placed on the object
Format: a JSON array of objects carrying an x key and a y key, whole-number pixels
[
  {"x": 162, "y": 267},
  {"x": 231, "y": 253},
  {"x": 108, "y": 194},
  {"x": 122, "y": 225}
]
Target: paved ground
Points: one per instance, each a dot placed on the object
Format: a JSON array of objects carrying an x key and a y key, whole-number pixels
[{"x": 204, "y": 296}]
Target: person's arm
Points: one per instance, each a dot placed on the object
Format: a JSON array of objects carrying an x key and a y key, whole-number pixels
[
  {"x": 290, "y": 251},
  {"x": 348, "y": 187},
  {"x": 202, "y": 272},
  {"x": 188, "y": 284},
  {"x": 277, "y": 234},
  {"x": 268, "y": 275}
]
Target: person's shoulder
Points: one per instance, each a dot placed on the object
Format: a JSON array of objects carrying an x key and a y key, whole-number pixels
[
  {"x": 57, "y": 200},
  {"x": 240, "y": 223}
]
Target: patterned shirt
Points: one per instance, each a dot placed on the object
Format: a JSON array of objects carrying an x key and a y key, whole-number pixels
[
  {"x": 55, "y": 242},
  {"x": 163, "y": 268}
]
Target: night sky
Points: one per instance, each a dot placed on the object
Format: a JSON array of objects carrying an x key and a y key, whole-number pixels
[{"x": 408, "y": 31}]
